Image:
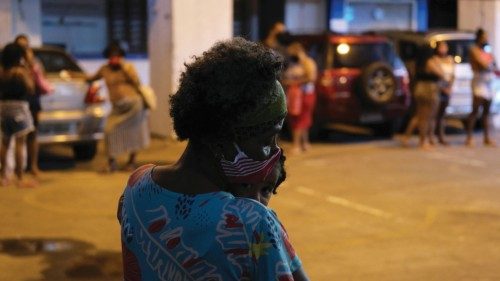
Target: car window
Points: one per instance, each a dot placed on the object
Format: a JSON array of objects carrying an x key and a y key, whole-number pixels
[
  {"x": 459, "y": 49},
  {"x": 54, "y": 61},
  {"x": 360, "y": 55}
]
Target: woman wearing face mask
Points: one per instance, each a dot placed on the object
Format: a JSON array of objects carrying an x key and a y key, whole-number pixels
[
  {"x": 483, "y": 66},
  {"x": 182, "y": 221},
  {"x": 448, "y": 67},
  {"x": 126, "y": 129}
]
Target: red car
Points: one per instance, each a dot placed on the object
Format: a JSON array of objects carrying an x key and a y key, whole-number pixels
[{"x": 361, "y": 81}]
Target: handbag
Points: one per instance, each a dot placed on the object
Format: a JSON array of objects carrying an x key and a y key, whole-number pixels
[
  {"x": 148, "y": 96},
  {"x": 147, "y": 93}
]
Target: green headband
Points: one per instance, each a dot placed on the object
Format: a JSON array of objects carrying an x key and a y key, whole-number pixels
[{"x": 271, "y": 111}]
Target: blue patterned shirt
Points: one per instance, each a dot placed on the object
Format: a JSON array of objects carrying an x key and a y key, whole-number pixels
[{"x": 212, "y": 236}]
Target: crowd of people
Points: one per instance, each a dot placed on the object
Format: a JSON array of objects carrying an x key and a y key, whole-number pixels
[
  {"x": 22, "y": 83},
  {"x": 432, "y": 91}
]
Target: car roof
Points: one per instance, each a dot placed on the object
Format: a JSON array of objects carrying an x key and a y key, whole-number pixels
[
  {"x": 49, "y": 49},
  {"x": 337, "y": 38},
  {"x": 427, "y": 36}
]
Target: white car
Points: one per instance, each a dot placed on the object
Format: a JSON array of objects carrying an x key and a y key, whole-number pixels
[{"x": 67, "y": 116}]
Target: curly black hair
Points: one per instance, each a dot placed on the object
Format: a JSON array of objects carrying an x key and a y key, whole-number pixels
[
  {"x": 12, "y": 55},
  {"x": 219, "y": 87}
]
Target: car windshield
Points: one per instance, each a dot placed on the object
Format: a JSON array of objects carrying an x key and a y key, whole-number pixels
[
  {"x": 54, "y": 61},
  {"x": 360, "y": 55},
  {"x": 459, "y": 49}
]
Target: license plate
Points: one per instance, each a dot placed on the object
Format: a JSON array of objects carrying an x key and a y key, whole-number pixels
[{"x": 371, "y": 117}]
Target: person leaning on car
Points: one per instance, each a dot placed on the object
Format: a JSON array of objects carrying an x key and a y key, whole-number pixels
[{"x": 42, "y": 87}]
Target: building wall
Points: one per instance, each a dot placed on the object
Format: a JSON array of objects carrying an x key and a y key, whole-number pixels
[
  {"x": 20, "y": 16},
  {"x": 180, "y": 29},
  {"x": 473, "y": 14},
  {"x": 360, "y": 15},
  {"x": 306, "y": 17}
]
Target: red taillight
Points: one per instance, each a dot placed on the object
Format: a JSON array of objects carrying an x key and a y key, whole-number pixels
[{"x": 92, "y": 95}]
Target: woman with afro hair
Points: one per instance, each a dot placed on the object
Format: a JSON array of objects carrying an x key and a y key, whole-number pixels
[{"x": 183, "y": 221}]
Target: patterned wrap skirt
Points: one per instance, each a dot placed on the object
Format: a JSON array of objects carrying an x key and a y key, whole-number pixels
[{"x": 127, "y": 128}]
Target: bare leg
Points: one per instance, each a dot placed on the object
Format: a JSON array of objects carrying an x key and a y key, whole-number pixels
[
  {"x": 3, "y": 159},
  {"x": 112, "y": 165},
  {"x": 410, "y": 128},
  {"x": 486, "y": 123},
  {"x": 412, "y": 125},
  {"x": 32, "y": 146},
  {"x": 131, "y": 165},
  {"x": 424, "y": 112},
  {"x": 432, "y": 120},
  {"x": 440, "y": 126},
  {"x": 296, "y": 141},
  {"x": 471, "y": 121},
  {"x": 20, "y": 142},
  {"x": 306, "y": 145}
]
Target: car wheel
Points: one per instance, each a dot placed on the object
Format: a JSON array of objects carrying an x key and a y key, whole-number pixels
[
  {"x": 378, "y": 84},
  {"x": 85, "y": 151}
]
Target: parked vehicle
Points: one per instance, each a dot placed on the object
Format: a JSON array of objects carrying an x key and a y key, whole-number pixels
[
  {"x": 361, "y": 81},
  {"x": 409, "y": 43},
  {"x": 68, "y": 115}
]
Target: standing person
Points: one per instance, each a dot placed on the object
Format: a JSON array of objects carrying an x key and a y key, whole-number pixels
[
  {"x": 301, "y": 75},
  {"x": 42, "y": 87},
  {"x": 277, "y": 38},
  {"x": 483, "y": 66},
  {"x": 426, "y": 93},
  {"x": 445, "y": 85},
  {"x": 447, "y": 66},
  {"x": 126, "y": 129},
  {"x": 230, "y": 108},
  {"x": 15, "y": 117}
]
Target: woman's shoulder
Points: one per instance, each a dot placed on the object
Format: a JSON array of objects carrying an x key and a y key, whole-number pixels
[{"x": 138, "y": 174}]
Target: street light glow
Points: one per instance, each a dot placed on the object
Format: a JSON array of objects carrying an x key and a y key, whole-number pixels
[{"x": 343, "y": 48}]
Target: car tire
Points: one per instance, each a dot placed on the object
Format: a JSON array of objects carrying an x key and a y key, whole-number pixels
[
  {"x": 85, "y": 151},
  {"x": 378, "y": 84}
]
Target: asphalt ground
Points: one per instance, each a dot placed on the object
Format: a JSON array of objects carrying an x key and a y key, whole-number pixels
[{"x": 354, "y": 210}]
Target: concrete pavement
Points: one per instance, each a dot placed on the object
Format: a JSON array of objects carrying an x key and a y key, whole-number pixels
[{"x": 366, "y": 211}]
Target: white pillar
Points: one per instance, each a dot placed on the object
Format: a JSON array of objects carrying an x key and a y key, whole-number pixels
[
  {"x": 179, "y": 29},
  {"x": 473, "y": 14},
  {"x": 21, "y": 16}
]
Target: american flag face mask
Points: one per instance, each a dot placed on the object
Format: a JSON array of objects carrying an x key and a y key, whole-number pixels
[{"x": 246, "y": 170}]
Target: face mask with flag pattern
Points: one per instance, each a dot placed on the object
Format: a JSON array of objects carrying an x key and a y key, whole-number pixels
[{"x": 247, "y": 170}]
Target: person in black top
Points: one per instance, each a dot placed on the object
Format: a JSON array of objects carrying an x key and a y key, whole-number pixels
[
  {"x": 16, "y": 121},
  {"x": 426, "y": 93},
  {"x": 41, "y": 87}
]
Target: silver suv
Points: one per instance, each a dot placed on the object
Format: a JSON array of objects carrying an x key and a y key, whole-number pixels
[
  {"x": 409, "y": 43},
  {"x": 67, "y": 116}
]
